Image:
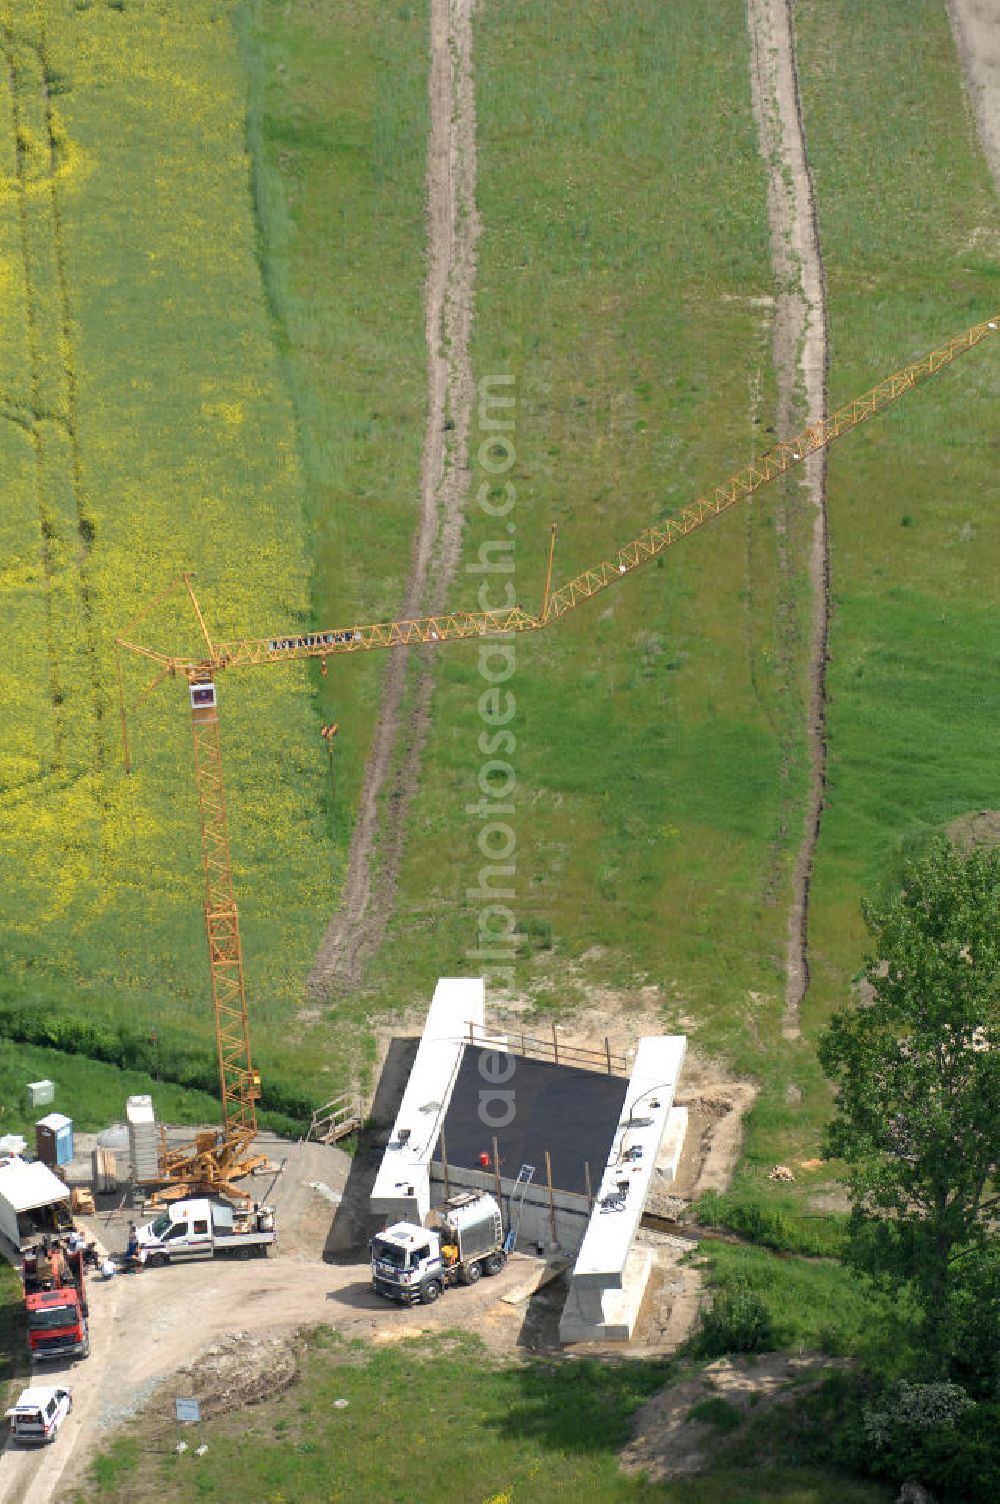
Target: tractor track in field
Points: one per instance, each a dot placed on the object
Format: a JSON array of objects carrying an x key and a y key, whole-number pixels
[
  {"x": 392, "y": 773},
  {"x": 975, "y": 25},
  {"x": 24, "y": 412},
  {"x": 82, "y": 524},
  {"x": 800, "y": 352},
  {"x": 47, "y": 410}
]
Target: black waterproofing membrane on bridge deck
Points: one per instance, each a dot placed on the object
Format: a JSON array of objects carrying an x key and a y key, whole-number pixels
[{"x": 571, "y": 1112}]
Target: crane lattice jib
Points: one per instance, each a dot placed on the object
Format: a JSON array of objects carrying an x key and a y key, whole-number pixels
[
  {"x": 245, "y": 652},
  {"x": 761, "y": 472},
  {"x": 456, "y": 625}
]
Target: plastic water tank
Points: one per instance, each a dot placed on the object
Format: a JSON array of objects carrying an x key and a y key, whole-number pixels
[{"x": 41, "y": 1093}]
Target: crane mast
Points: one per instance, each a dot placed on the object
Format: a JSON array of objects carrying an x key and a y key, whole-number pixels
[
  {"x": 222, "y": 921},
  {"x": 211, "y": 1164},
  {"x": 215, "y": 1161}
]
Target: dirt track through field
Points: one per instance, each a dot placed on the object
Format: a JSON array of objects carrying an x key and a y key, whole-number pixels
[
  {"x": 800, "y": 354},
  {"x": 975, "y": 25},
  {"x": 393, "y": 772}
]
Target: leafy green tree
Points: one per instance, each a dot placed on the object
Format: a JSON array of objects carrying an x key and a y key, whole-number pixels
[
  {"x": 917, "y": 1071},
  {"x": 976, "y": 1323}
]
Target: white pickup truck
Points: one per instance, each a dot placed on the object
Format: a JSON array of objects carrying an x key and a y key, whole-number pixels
[{"x": 203, "y": 1229}]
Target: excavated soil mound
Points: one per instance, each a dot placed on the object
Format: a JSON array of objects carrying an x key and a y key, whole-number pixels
[
  {"x": 978, "y": 828},
  {"x": 243, "y": 1369},
  {"x": 669, "y": 1443}
]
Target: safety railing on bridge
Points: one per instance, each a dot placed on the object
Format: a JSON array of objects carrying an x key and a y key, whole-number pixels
[{"x": 550, "y": 1048}]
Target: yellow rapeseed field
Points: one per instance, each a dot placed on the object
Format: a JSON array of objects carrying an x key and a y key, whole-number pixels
[{"x": 145, "y": 431}]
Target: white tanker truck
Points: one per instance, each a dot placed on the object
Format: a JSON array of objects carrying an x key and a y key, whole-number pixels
[{"x": 462, "y": 1240}]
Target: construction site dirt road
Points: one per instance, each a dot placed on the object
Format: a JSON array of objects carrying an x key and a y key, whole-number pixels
[{"x": 148, "y": 1325}]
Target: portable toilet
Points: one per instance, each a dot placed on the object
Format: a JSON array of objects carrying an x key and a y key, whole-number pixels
[{"x": 54, "y": 1139}]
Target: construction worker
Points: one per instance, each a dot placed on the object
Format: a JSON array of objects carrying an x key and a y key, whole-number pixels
[{"x": 449, "y": 1254}]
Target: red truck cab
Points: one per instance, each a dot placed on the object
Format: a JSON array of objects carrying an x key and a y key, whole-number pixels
[{"x": 56, "y": 1305}]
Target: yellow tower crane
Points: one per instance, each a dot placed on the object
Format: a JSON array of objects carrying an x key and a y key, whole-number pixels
[{"x": 215, "y": 1161}]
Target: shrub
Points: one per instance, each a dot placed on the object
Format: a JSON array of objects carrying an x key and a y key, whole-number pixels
[
  {"x": 717, "y": 1412},
  {"x": 737, "y": 1321},
  {"x": 934, "y": 1433},
  {"x": 939, "y": 1435},
  {"x": 533, "y": 934},
  {"x": 912, "y": 1407},
  {"x": 771, "y": 1223},
  {"x": 166, "y": 1058}
]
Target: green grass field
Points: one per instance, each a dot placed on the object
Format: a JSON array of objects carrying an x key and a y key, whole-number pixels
[
  {"x": 621, "y": 270},
  {"x": 148, "y": 431},
  {"x": 515, "y": 1435},
  {"x": 910, "y": 257},
  {"x": 90, "y": 1091}
]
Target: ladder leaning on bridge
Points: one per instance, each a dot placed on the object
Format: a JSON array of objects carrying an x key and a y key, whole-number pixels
[{"x": 515, "y": 1203}]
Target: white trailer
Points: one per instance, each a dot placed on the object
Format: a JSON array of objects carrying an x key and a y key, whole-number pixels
[
  {"x": 203, "y": 1229},
  {"x": 462, "y": 1241},
  {"x": 32, "y": 1201}
]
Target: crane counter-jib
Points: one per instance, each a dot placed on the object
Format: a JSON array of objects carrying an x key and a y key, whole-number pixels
[{"x": 444, "y": 627}]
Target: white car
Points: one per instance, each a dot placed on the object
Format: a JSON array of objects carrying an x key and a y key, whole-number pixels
[{"x": 39, "y": 1413}]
